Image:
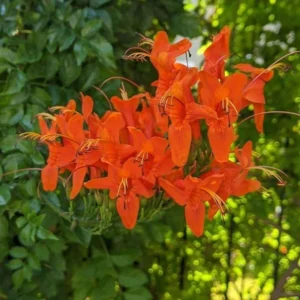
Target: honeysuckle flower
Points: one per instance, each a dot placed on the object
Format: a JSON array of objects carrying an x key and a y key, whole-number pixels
[{"x": 158, "y": 144}]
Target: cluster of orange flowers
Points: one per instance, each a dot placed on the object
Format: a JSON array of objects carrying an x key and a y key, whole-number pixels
[{"x": 152, "y": 143}]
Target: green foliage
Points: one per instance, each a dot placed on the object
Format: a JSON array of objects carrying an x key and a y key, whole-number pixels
[{"x": 49, "y": 52}]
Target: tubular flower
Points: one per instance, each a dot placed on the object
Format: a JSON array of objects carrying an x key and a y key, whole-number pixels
[
  {"x": 216, "y": 54},
  {"x": 193, "y": 193},
  {"x": 172, "y": 146},
  {"x": 124, "y": 184},
  {"x": 254, "y": 91}
]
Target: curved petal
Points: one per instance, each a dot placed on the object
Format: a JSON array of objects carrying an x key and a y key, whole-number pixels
[
  {"x": 245, "y": 187},
  {"x": 87, "y": 106},
  {"x": 128, "y": 209},
  {"x": 259, "y": 109},
  {"x": 49, "y": 177},
  {"x": 75, "y": 128},
  {"x": 196, "y": 112},
  {"x": 138, "y": 137},
  {"x": 177, "y": 194},
  {"x": 180, "y": 138},
  {"x": 220, "y": 138},
  {"x": 78, "y": 178},
  {"x": 195, "y": 217}
]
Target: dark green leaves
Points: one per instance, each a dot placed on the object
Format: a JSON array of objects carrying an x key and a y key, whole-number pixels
[
  {"x": 69, "y": 70},
  {"x": 80, "y": 50},
  {"x": 14, "y": 83},
  {"x": 18, "y": 252},
  {"x": 4, "y": 195},
  {"x": 130, "y": 277},
  {"x": 91, "y": 27},
  {"x": 103, "y": 50}
]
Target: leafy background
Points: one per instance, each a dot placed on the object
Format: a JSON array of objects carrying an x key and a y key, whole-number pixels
[{"x": 49, "y": 52}]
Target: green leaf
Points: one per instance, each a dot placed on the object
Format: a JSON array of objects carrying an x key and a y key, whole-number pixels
[
  {"x": 91, "y": 27},
  {"x": 27, "y": 235},
  {"x": 14, "y": 264},
  {"x": 66, "y": 39},
  {"x": 4, "y": 195},
  {"x": 33, "y": 262},
  {"x": 38, "y": 220},
  {"x": 140, "y": 293},
  {"x": 14, "y": 162},
  {"x": 41, "y": 97},
  {"x": 83, "y": 235},
  {"x": 4, "y": 65},
  {"x": 11, "y": 115},
  {"x": 8, "y": 55},
  {"x": 45, "y": 234},
  {"x": 21, "y": 221},
  {"x": 75, "y": 18},
  {"x": 3, "y": 249},
  {"x": 90, "y": 75},
  {"x": 69, "y": 70},
  {"x": 125, "y": 257},
  {"x": 28, "y": 53},
  {"x": 104, "y": 290},
  {"x": 14, "y": 83},
  {"x": 46, "y": 68},
  {"x": 18, "y": 278},
  {"x": 98, "y": 3},
  {"x": 41, "y": 251},
  {"x": 131, "y": 277},
  {"x": 103, "y": 50},
  {"x": 18, "y": 252},
  {"x": 8, "y": 144},
  {"x": 80, "y": 50},
  {"x": 3, "y": 227},
  {"x": 15, "y": 99}
]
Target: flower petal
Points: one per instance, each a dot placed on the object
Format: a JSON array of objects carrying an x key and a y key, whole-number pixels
[
  {"x": 180, "y": 138},
  {"x": 128, "y": 209},
  {"x": 195, "y": 217}
]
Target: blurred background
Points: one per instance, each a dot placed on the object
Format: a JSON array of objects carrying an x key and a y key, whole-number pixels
[{"x": 50, "y": 50}]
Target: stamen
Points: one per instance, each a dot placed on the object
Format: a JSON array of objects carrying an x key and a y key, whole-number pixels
[
  {"x": 138, "y": 56},
  {"x": 30, "y": 135},
  {"x": 271, "y": 172},
  {"x": 123, "y": 91},
  {"x": 269, "y": 112},
  {"x": 274, "y": 64},
  {"x": 47, "y": 116}
]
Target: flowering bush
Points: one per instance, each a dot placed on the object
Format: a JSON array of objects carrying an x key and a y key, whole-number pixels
[{"x": 176, "y": 144}]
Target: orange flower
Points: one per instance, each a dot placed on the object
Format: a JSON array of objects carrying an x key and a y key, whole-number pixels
[
  {"x": 163, "y": 56},
  {"x": 193, "y": 193},
  {"x": 254, "y": 91},
  {"x": 124, "y": 184},
  {"x": 224, "y": 101},
  {"x": 216, "y": 54}
]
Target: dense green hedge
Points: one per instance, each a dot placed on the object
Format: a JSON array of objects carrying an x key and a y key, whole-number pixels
[{"x": 49, "y": 52}]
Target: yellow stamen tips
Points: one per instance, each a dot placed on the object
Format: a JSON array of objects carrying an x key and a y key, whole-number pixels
[
  {"x": 218, "y": 200},
  {"x": 271, "y": 172},
  {"x": 124, "y": 184},
  {"x": 264, "y": 191},
  {"x": 225, "y": 105},
  {"x": 280, "y": 66},
  {"x": 61, "y": 109},
  {"x": 137, "y": 56},
  {"x": 123, "y": 91},
  {"x": 90, "y": 144},
  {"x": 142, "y": 157},
  {"x": 30, "y": 135},
  {"x": 47, "y": 116},
  {"x": 51, "y": 137},
  {"x": 255, "y": 154}
]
